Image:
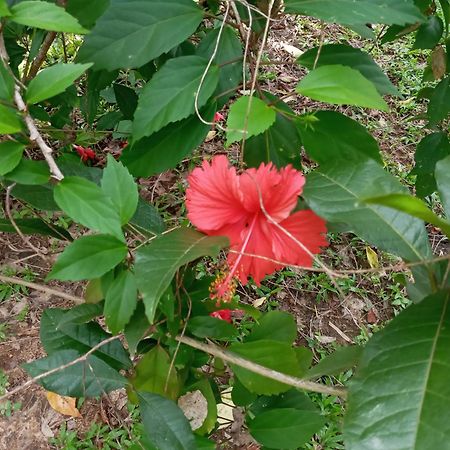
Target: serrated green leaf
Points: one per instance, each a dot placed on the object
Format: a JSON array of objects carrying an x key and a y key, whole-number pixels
[
  {"x": 48, "y": 16},
  {"x": 354, "y": 58},
  {"x": 34, "y": 226},
  {"x": 147, "y": 218},
  {"x": 120, "y": 301},
  {"x": 120, "y": 187},
  {"x": 53, "y": 81},
  {"x": 443, "y": 183},
  {"x": 9, "y": 120},
  {"x": 6, "y": 83},
  {"x": 87, "y": 11},
  {"x": 29, "y": 172},
  {"x": 39, "y": 196},
  {"x": 429, "y": 33},
  {"x": 386, "y": 412},
  {"x": 10, "y": 155},
  {"x": 341, "y": 85},
  {"x": 88, "y": 257},
  {"x": 127, "y": 100},
  {"x": 136, "y": 328},
  {"x": 276, "y": 326},
  {"x": 211, "y": 327},
  {"x": 86, "y": 203},
  {"x": 243, "y": 122},
  {"x": 170, "y": 95},
  {"x": 157, "y": 262},
  {"x": 131, "y": 33}
]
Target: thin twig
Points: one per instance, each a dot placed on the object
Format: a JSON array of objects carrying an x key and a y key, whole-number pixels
[
  {"x": 232, "y": 358},
  {"x": 40, "y": 57}
]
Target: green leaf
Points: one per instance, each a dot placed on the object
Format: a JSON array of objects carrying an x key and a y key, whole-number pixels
[
  {"x": 81, "y": 314},
  {"x": 412, "y": 206},
  {"x": 443, "y": 183},
  {"x": 39, "y": 196},
  {"x": 165, "y": 425},
  {"x": 136, "y": 328},
  {"x": 10, "y": 155},
  {"x": 167, "y": 147},
  {"x": 131, "y": 33},
  {"x": 329, "y": 135},
  {"x": 6, "y": 83},
  {"x": 341, "y": 359},
  {"x": 86, "y": 11},
  {"x": 336, "y": 193},
  {"x": 429, "y": 33},
  {"x": 170, "y": 95},
  {"x": 56, "y": 334},
  {"x": 211, "y": 327},
  {"x": 147, "y": 218},
  {"x": 9, "y": 120},
  {"x": 29, "y": 172},
  {"x": 4, "y": 11},
  {"x": 341, "y": 85},
  {"x": 360, "y": 12},
  {"x": 87, "y": 204},
  {"x": 48, "y": 16},
  {"x": 439, "y": 105},
  {"x": 292, "y": 399},
  {"x": 280, "y": 143},
  {"x": 157, "y": 262},
  {"x": 152, "y": 374},
  {"x": 431, "y": 149},
  {"x": 89, "y": 378},
  {"x": 240, "y": 395},
  {"x": 127, "y": 100},
  {"x": 385, "y": 411},
  {"x": 34, "y": 226},
  {"x": 230, "y": 49},
  {"x": 120, "y": 187},
  {"x": 276, "y": 326},
  {"x": 120, "y": 301},
  {"x": 275, "y": 355},
  {"x": 243, "y": 122},
  {"x": 53, "y": 81},
  {"x": 88, "y": 257},
  {"x": 354, "y": 58}
]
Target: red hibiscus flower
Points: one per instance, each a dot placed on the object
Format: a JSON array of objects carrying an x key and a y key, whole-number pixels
[
  {"x": 218, "y": 117},
  {"x": 85, "y": 153},
  {"x": 223, "y": 314},
  {"x": 253, "y": 210}
]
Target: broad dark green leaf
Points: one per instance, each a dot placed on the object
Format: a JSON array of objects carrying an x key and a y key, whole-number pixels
[
  {"x": 4, "y": 11},
  {"x": 157, "y": 262},
  {"x": 240, "y": 395},
  {"x": 6, "y": 83},
  {"x": 152, "y": 374},
  {"x": 228, "y": 56},
  {"x": 136, "y": 328},
  {"x": 280, "y": 143},
  {"x": 34, "y": 226},
  {"x": 443, "y": 183},
  {"x": 285, "y": 428},
  {"x": 89, "y": 378},
  {"x": 341, "y": 359},
  {"x": 87, "y": 11},
  {"x": 88, "y": 257},
  {"x": 329, "y": 135},
  {"x": 10, "y": 155},
  {"x": 211, "y": 327},
  {"x": 248, "y": 118},
  {"x": 431, "y": 149},
  {"x": 429, "y": 33},
  {"x": 358, "y": 12},
  {"x": 127, "y": 100},
  {"x": 384, "y": 410},
  {"x": 292, "y": 399},
  {"x": 72, "y": 166},
  {"x": 56, "y": 334},
  {"x": 9, "y": 120},
  {"x": 39, "y": 196},
  {"x": 275, "y": 355},
  {"x": 29, "y": 172},
  {"x": 120, "y": 187},
  {"x": 276, "y": 326},
  {"x": 412, "y": 206},
  {"x": 341, "y": 85},
  {"x": 48, "y": 16},
  {"x": 165, "y": 425},
  {"x": 81, "y": 314},
  {"x": 336, "y": 193},
  {"x": 86, "y": 203},
  {"x": 120, "y": 301},
  {"x": 133, "y": 32},
  {"x": 439, "y": 105},
  {"x": 147, "y": 218},
  {"x": 170, "y": 95},
  {"x": 167, "y": 147},
  {"x": 352, "y": 57},
  {"x": 54, "y": 80}
]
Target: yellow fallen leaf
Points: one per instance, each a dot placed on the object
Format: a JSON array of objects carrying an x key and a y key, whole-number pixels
[
  {"x": 372, "y": 258},
  {"x": 62, "y": 404}
]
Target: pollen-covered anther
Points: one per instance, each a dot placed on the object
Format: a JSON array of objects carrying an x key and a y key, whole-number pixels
[{"x": 223, "y": 287}]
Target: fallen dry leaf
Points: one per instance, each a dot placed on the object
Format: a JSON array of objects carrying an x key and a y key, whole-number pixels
[
  {"x": 62, "y": 404},
  {"x": 195, "y": 407}
]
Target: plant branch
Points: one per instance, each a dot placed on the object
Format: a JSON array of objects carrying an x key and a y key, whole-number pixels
[
  {"x": 40, "y": 57},
  {"x": 232, "y": 358}
]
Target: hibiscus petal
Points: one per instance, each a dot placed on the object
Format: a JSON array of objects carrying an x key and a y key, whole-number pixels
[
  {"x": 212, "y": 198},
  {"x": 279, "y": 190}
]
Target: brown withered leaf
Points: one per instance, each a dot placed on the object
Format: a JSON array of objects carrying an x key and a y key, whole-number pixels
[
  {"x": 62, "y": 404},
  {"x": 438, "y": 62}
]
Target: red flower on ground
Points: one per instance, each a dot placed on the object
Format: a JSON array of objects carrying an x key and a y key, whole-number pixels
[
  {"x": 85, "y": 153},
  {"x": 218, "y": 117},
  {"x": 253, "y": 210},
  {"x": 223, "y": 314}
]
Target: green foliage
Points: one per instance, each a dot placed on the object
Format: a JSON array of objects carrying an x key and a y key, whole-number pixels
[{"x": 10, "y": 155}]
